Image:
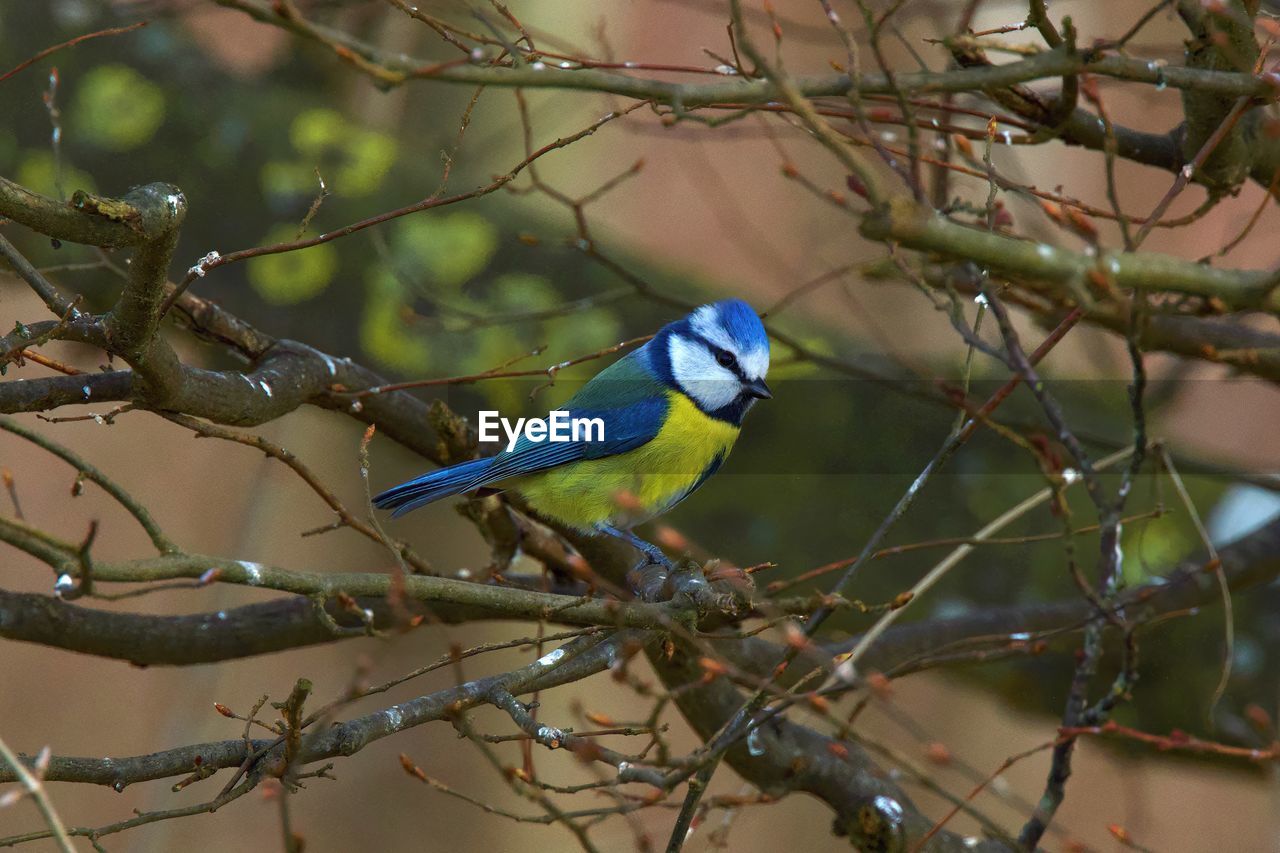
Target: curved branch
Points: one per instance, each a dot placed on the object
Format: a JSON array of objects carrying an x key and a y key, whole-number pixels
[
  {"x": 131, "y": 324},
  {"x": 918, "y": 227},
  {"x": 1221, "y": 340},
  {"x": 1080, "y": 127},
  {"x": 1244, "y": 347},
  {"x": 56, "y": 302},
  {"x": 1220, "y": 41},
  {"x": 1249, "y": 561},
  {"x": 292, "y": 623},
  {"x": 286, "y": 375},
  {"x": 583, "y": 658},
  {"x": 1210, "y": 84},
  {"x": 393, "y": 70},
  {"x": 145, "y": 639},
  {"x": 491, "y": 599},
  {"x": 87, "y": 219},
  {"x": 162, "y": 542},
  {"x": 53, "y": 392},
  {"x": 781, "y": 757},
  {"x": 1162, "y": 150}
]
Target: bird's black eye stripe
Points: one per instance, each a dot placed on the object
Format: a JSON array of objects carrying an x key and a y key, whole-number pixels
[{"x": 723, "y": 357}]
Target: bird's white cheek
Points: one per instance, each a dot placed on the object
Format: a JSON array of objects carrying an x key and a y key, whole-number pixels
[{"x": 695, "y": 370}]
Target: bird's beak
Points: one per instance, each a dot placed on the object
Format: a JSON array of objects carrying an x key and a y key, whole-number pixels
[{"x": 757, "y": 388}]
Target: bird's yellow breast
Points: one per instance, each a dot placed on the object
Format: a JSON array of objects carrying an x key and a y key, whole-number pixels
[{"x": 634, "y": 486}]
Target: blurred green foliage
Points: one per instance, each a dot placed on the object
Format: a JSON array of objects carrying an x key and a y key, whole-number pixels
[
  {"x": 39, "y": 171},
  {"x": 354, "y": 159},
  {"x": 448, "y": 248},
  {"x": 116, "y": 108},
  {"x": 288, "y": 278}
]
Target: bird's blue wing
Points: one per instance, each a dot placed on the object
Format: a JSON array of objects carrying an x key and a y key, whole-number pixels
[
  {"x": 434, "y": 485},
  {"x": 625, "y": 428},
  {"x": 625, "y": 396}
]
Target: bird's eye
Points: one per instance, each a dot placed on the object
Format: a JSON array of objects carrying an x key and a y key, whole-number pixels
[{"x": 724, "y": 359}]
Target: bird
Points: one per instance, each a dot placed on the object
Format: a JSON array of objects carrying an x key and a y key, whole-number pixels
[{"x": 671, "y": 411}]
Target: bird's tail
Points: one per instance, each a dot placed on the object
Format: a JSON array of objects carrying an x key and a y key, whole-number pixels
[{"x": 433, "y": 486}]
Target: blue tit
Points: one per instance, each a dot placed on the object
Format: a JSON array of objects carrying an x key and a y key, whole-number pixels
[{"x": 671, "y": 411}]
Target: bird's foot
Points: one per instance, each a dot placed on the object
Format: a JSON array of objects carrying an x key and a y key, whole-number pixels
[{"x": 648, "y": 580}]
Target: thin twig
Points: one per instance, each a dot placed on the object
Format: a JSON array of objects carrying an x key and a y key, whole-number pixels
[{"x": 31, "y": 781}]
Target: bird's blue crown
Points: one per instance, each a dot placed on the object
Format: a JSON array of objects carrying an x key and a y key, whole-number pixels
[
  {"x": 729, "y": 320},
  {"x": 738, "y": 320}
]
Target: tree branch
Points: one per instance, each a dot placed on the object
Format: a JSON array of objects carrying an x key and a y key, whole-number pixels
[
  {"x": 918, "y": 227},
  {"x": 497, "y": 601},
  {"x": 583, "y": 657},
  {"x": 1048, "y": 64},
  {"x": 88, "y": 219},
  {"x": 131, "y": 324}
]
